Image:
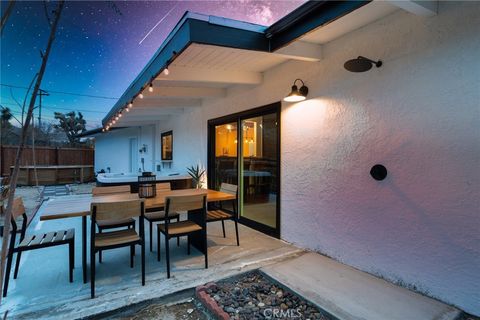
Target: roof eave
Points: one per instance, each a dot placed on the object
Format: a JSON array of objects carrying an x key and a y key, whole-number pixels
[{"x": 193, "y": 28}]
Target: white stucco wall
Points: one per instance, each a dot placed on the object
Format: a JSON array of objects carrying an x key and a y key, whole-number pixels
[
  {"x": 112, "y": 149},
  {"x": 418, "y": 115}
]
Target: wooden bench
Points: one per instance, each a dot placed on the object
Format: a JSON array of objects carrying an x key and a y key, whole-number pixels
[{"x": 32, "y": 242}]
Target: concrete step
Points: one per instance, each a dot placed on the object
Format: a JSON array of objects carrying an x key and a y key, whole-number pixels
[{"x": 350, "y": 294}]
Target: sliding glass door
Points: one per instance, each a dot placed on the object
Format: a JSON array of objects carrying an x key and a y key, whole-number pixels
[{"x": 244, "y": 150}]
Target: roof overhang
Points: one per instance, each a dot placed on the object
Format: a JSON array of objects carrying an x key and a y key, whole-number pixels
[
  {"x": 214, "y": 31},
  {"x": 206, "y": 55}
]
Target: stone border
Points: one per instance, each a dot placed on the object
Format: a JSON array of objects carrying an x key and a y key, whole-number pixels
[{"x": 209, "y": 303}]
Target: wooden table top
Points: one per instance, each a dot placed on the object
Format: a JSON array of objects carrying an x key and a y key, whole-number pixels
[{"x": 79, "y": 205}]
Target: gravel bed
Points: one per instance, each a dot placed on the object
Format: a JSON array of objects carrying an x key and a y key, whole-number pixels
[
  {"x": 183, "y": 309},
  {"x": 254, "y": 296}
]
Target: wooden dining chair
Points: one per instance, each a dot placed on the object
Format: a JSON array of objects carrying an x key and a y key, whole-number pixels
[
  {"x": 37, "y": 241},
  {"x": 173, "y": 205},
  {"x": 159, "y": 215},
  {"x": 99, "y": 191},
  {"x": 221, "y": 214},
  {"x": 116, "y": 239},
  {"x": 114, "y": 223}
]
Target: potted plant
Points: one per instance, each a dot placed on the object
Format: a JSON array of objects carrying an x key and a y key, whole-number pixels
[{"x": 196, "y": 173}]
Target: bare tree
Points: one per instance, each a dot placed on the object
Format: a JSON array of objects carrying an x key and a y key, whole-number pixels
[{"x": 24, "y": 133}]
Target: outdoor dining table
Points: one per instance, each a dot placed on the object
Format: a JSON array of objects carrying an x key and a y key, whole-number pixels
[{"x": 79, "y": 206}]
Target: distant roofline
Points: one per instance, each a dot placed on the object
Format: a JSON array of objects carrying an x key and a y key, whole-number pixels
[
  {"x": 224, "y": 32},
  {"x": 95, "y": 131}
]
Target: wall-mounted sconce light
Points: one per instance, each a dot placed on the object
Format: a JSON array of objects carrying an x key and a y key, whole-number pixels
[
  {"x": 361, "y": 64},
  {"x": 143, "y": 149},
  {"x": 297, "y": 94}
]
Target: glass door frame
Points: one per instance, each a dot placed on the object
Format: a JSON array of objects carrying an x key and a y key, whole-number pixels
[{"x": 238, "y": 118}]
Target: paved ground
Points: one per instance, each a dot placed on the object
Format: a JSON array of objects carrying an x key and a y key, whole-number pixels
[
  {"x": 42, "y": 290},
  {"x": 55, "y": 191},
  {"x": 350, "y": 294}
]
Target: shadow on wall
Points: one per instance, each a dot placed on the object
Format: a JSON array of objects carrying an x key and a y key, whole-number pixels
[{"x": 438, "y": 234}]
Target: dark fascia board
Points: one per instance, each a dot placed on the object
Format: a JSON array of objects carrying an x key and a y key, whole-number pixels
[
  {"x": 306, "y": 18},
  {"x": 194, "y": 28}
]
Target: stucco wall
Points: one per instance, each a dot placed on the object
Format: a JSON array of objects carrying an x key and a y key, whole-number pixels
[
  {"x": 112, "y": 149},
  {"x": 418, "y": 115}
]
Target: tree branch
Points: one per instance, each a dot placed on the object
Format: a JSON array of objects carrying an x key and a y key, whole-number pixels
[
  {"x": 14, "y": 176},
  {"x": 7, "y": 13}
]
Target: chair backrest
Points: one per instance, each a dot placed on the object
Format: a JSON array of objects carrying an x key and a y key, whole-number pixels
[
  {"x": 98, "y": 191},
  {"x": 5, "y": 193},
  {"x": 228, "y": 188},
  {"x": 18, "y": 208},
  {"x": 117, "y": 210},
  {"x": 163, "y": 186},
  {"x": 185, "y": 203}
]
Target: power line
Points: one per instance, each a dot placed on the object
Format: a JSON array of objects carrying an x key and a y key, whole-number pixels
[
  {"x": 62, "y": 92},
  {"x": 58, "y": 108},
  {"x": 52, "y": 118}
]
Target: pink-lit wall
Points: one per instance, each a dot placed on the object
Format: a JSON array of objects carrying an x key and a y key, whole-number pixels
[{"x": 419, "y": 115}]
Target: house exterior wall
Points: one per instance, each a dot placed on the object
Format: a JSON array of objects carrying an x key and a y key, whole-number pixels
[
  {"x": 112, "y": 149},
  {"x": 418, "y": 115}
]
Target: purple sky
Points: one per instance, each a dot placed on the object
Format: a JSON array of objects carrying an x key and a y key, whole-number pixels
[{"x": 101, "y": 46}]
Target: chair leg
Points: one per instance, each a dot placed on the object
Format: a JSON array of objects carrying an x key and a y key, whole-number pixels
[
  {"x": 71, "y": 258},
  {"x": 223, "y": 228},
  {"x": 17, "y": 264},
  {"x": 151, "y": 234},
  {"x": 167, "y": 250},
  {"x": 143, "y": 261},
  {"x": 236, "y": 232},
  {"x": 92, "y": 273},
  {"x": 134, "y": 229},
  {"x": 178, "y": 238},
  {"x": 158, "y": 244},
  {"x": 205, "y": 247},
  {"x": 132, "y": 252},
  {"x": 7, "y": 272},
  {"x": 100, "y": 252}
]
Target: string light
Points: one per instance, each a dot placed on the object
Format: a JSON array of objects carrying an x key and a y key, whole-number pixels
[
  {"x": 150, "y": 88},
  {"x": 166, "y": 72},
  {"x": 128, "y": 109},
  {"x": 130, "y": 105},
  {"x": 140, "y": 95},
  {"x": 120, "y": 115}
]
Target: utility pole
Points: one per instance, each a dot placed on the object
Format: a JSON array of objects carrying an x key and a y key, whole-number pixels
[{"x": 40, "y": 94}]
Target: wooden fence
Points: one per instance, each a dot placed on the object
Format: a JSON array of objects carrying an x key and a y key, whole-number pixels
[{"x": 45, "y": 156}]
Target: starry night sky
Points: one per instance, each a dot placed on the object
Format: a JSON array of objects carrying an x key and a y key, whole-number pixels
[{"x": 99, "y": 49}]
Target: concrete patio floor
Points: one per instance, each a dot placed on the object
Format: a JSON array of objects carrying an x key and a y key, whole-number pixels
[
  {"x": 350, "y": 294},
  {"x": 42, "y": 290}
]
